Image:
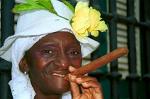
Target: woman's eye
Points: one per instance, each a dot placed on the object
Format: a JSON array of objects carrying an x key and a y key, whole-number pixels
[
  {"x": 75, "y": 53},
  {"x": 48, "y": 51}
]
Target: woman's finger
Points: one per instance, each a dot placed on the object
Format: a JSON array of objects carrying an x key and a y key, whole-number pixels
[
  {"x": 97, "y": 92},
  {"x": 90, "y": 84},
  {"x": 71, "y": 68},
  {"x": 85, "y": 79},
  {"x": 92, "y": 89},
  {"x": 74, "y": 87}
]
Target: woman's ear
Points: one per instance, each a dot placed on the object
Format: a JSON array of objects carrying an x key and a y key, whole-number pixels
[{"x": 23, "y": 65}]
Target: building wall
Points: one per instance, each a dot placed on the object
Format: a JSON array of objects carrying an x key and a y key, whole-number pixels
[{"x": 122, "y": 37}]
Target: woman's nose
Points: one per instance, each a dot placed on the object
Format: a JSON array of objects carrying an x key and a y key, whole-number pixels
[{"x": 63, "y": 61}]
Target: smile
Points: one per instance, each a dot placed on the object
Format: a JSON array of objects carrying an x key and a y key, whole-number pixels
[{"x": 59, "y": 75}]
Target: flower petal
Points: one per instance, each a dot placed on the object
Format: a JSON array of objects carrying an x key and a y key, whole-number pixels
[
  {"x": 95, "y": 33},
  {"x": 102, "y": 26},
  {"x": 87, "y": 21},
  {"x": 81, "y": 5}
]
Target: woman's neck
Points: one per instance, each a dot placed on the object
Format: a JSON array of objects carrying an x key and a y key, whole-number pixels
[
  {"x": 48, "y": 97},
  {"x": 41, "y": 95}
]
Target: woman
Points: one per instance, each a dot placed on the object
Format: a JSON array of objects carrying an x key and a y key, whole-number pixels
[
  {"x": 43, "y": 50},
  {"x": 48, "y": 60}
]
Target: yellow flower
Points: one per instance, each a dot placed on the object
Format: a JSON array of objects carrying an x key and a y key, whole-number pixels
[
  {"x": 80, "y": 19},
  {"x": 87, "y": 21}
]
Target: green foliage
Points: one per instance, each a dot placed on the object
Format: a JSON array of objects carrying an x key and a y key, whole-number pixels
[
  {"x": 68, "y": 5},
  {"x": 39, "y": 5},
  {"x": 26, "y": 7},
  {"x": 47, "y": 4}
]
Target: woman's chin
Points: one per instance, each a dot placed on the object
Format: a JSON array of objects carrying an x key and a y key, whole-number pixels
[{"x": 61, "y": 85}]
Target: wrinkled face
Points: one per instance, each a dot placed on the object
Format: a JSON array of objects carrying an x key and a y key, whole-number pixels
[{"x": 51, "y": 56}]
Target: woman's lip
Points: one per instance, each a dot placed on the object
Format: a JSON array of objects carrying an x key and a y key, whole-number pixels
[
  {"x": 62, "y": 73},
  {"x": 59, "y": 75}
]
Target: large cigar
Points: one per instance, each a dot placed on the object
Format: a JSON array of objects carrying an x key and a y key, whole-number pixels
[{"x": 100, "y": 61}]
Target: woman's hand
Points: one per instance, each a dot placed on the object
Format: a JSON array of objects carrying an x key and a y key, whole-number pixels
[{"x": 84, "y": 87}]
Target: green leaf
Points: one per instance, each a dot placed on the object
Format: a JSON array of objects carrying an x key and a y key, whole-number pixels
[
  {"x": 68, "y": 5},
  {"x": 26, "y": 7},
  {"x": 47, "y": 4},
  {"x": 31, "y": 1},
  {"x": 39, "y": 4}
]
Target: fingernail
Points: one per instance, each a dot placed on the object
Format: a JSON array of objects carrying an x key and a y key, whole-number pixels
[
  {"x": 79, "y": 80},
  {"x": 71, "y": 68},
  {"x": 72, "y": 77},
  {"x": 85, "y": 84}
]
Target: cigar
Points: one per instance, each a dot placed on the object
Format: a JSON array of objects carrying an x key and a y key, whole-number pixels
[{"x": 99, "y": 62}]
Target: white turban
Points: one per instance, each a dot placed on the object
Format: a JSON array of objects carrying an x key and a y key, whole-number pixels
[{"x": 31, "y": 27}]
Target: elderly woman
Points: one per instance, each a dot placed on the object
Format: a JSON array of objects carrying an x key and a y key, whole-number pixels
[{"x": 46, "y": 47}]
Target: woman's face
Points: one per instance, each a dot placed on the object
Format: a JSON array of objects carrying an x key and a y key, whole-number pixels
[{"x": 51, "y": 56}]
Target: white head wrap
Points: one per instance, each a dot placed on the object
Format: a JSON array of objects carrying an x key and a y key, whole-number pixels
[{"x": 31, "y": 27}]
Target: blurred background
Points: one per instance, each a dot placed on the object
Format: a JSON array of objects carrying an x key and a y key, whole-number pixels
[{"x": 129, "y": 26}]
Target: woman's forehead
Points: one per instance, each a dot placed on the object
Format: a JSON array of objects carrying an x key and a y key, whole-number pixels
[
  {"x": 57, "y": 38},
  {"x": 65, "y": 36}
]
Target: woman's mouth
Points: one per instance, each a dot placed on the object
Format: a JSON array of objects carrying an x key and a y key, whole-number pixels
[{"x": 59, "y": 75}]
